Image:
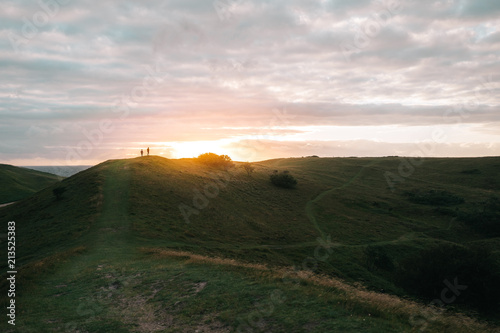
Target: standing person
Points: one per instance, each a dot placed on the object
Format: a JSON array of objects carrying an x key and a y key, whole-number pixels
[
  {"x": 142, "y": 153},
  {"x": 148, "y": 151}
]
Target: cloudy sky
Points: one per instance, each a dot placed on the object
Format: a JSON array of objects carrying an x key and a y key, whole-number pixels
[{"x": 85, "y": 81}]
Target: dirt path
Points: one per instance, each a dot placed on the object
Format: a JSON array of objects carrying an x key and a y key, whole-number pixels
[
  {"x": 310, "y": 212},
  {"x": 102, "y": 268},
  {"x": 113, "y": 226},
  {"x": 310, "y": 205}
]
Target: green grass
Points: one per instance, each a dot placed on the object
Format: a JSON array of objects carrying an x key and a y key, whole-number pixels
[
  {"x": 19, "y": 183},
  {"x": 115, "y": 254}
]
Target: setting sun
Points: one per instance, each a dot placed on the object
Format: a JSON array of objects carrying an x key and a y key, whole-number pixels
[{"x": 195, "y": 148}]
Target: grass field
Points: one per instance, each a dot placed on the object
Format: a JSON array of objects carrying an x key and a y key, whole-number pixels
[
  {"x": 19, "y": 183},
  {"x": 158, "y": 245}
]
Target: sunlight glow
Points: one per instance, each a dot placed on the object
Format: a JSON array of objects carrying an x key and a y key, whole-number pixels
[{"x": 195, "y": 148}]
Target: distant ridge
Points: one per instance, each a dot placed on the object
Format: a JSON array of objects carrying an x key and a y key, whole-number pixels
[
  {"x": 60, "y": 170},
  {"x": 19, "y": 183}
]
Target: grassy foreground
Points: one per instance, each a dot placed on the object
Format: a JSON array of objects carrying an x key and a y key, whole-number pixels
[{"x": 118, "y": 254}]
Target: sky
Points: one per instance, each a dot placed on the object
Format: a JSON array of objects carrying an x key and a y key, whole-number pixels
[{"x": 82, "y": 82}]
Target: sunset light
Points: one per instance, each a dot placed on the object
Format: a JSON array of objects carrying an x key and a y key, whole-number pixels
[
  {"x": 253, "y": 80},
  {"x": 250, "y": 166},
  {"x": 195, "y": 148}
]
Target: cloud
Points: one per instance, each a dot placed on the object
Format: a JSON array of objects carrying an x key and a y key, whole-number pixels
[
  {"x": 482, "y": 9},
  {"x": 171, "y": 69},
  {"x": 363, "y": 148}
]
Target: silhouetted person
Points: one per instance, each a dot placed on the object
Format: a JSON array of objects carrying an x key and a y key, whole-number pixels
[
  {"x": 148, "y": 151},
  {"x": 142, "y": 153}
]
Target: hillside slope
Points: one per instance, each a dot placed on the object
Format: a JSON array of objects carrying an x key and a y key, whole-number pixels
[
  {"x": 158, "y": 245},
  {"x": 19, "y": 183}
]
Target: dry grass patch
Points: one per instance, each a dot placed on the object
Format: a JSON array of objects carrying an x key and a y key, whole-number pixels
[{"x": 428, "y": 317}]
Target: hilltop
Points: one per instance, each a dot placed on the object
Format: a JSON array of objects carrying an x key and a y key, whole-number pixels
[
  {"x": 19, "y": 183},
  {"x": 215, "y": 250}
]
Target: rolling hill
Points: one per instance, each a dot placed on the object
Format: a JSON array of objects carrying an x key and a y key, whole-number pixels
[
  {"x": 19, "y": 183},
  {"x": 158, "y": 245}
]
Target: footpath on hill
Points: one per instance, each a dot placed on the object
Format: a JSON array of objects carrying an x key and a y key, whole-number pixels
[
  {"x": 110, "y": 235},
  {"x": 113, "y": 226},
  {"x": 78, "y": 293},
  {"x": 310, "y": 205}
]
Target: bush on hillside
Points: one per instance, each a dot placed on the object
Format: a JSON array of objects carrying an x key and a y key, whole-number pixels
[
  {"x": 283, "y": 179},
  {"x": 430, "y": 274},
  {"x": 214, "y": 160}
]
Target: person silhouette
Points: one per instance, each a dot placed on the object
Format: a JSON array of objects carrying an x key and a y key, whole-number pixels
[
  {"x": 148, "y": 151},
  {"x": 142, "y": 153}
]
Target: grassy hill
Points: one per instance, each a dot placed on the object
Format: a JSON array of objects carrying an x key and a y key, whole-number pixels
[
  {"x": 19, "y": 183},
  {"x": 158, "y": 245}
]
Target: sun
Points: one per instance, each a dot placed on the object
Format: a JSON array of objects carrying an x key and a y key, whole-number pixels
[{"x": 191, "y": 149}]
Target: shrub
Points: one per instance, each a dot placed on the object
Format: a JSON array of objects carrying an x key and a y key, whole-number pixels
[
  {"x": 283, "y": 179},
  {"x": 214, "y": 160}
]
